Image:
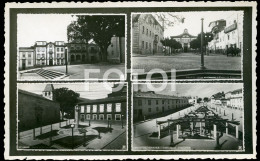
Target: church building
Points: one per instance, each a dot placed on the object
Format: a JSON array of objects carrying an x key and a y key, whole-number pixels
[{"x": 185, "y": 38}]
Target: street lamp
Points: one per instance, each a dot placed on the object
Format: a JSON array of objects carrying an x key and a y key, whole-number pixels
[
  {"x": 77, "y": 108},
  {"x": 122, "y": 121},
  {"x": 72, "y": 127},
  {"x": 66, "y": 59},
  {"x": 201, "y": 46}
]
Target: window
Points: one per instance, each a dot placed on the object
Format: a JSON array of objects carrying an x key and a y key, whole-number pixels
[
  {"x": 162, "y": 101},
  {"x": 142, "y": 44},
  {"x": 139, "y": 102},
  {"x": 94, "y": 110},
  {"x": 29, "y": 55},
  {"x": 143, "y": 29},
  {"x": 61, "y": 55},
  {"x": 82, "y": 109},
  {"x": 101, "y": 117},
  {"x": 157, "y": 102},
  {"x": 118, "y": 107},
  {"x": 61, "y": 49},
  {"x": 109, "y": 117},
  {"x": 88, "y": 116},
  {"x": 58, "y": 49},
  {"x": 88, "y": 108},
  {"x": 29, "y": 62},
  {"x": 150, "y": 33},
  {"x": 117, "y": 117},
  {"x": 23, "y": 55},
  {"x": 58, "y": 55},
  {"x": 149, "y": 102},
  {"x": 147, "y": 32},
  {"x": 94, "y": 117},
  {"x": 146, "y": 45},
  {"x": 101, "y": 108},
  {"x": 109, "y": 107}
]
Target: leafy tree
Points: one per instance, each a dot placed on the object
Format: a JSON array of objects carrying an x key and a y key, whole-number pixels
[
  {"x": 205, "y": 99},
  {"x": 195, "y": 44},
  {"x": 199, "y": 100},
  {"x": 169, "y": 19},
  {"x": 99, "y": 28},
  {"x": 67, "y": 99}
]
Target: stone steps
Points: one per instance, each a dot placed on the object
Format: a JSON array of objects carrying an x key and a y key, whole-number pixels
[{"x": 47, "y": 74}]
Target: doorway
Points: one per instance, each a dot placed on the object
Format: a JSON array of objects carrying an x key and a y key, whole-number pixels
[{"x": 23, "y": 64}]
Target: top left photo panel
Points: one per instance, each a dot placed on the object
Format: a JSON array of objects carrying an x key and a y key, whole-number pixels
[{"x": 71, "y": 47}]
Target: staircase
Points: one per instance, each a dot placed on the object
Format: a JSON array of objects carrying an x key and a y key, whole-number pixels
[{"x": 47, "y": 74}]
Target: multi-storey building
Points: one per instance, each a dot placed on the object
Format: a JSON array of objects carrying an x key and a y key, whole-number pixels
[
  {"x": 116, "y": 50},
  {"x": 235, "y": 99},
  {"x": 150, "y": 103},
  {"x": 111, "y": 108},
  {"x": 147, "y": 35},
  {"x": 227, "y": 32},
  {"x": 185, "y": 38},
  {"x": 26, "y": 57}
]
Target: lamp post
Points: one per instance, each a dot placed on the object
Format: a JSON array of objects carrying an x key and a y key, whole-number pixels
[
  {"x": 72, "y": 127},
  {"x": 201, "y": 45},
  {"x": 77, "y": 116},
  {"x": 122, "y": 121},
  {"x": 66, "y": 59}
]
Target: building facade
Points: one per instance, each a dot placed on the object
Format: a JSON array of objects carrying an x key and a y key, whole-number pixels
[
  {"x": 111, "y": 108},
  {"x": 227, "y": 33},
  {"x": 150, "y": 103},
  {"x": 235, "y": 99},
  {"x": 37, "y": 110},
  {"x": 116, "y": 50},
  {"x": 26, "y": 57},
  {"x": 147, "y": 35},
  {"x": 185, "y": 38}
]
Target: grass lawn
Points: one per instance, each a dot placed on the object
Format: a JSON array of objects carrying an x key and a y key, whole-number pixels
[
  {"x": 187, "y": 61},
  {"x": 76, "y": 141},
  {"x": 48, "y": 134}
]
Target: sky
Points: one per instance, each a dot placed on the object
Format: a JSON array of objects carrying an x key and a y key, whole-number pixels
[
  {"x": 195, "y": 89},
  {"x": 95, "y": 90},
  {"x": 53, "y": 27},
  {"x": 192, "y": 21}
]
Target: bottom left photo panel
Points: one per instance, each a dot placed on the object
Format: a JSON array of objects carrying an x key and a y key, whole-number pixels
[{"x": 72, "y": 116}]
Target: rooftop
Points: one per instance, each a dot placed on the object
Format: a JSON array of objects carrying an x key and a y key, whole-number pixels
[
  {"x": 104, "y": 100},
  {"x": 151, "y": 94},
  {"x": 34, "y": 95},
  {"x": 48, "y": 87}
]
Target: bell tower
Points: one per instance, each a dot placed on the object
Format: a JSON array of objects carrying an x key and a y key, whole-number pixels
[{"x": 48, "y": 92}]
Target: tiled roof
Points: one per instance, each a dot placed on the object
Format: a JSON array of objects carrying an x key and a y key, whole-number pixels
[
  {"x": 151, "y": 94},
  {"x": 34, "y": 95},
  {"x": 104, "y": 100}
]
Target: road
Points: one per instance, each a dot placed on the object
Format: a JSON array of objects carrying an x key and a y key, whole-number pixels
[{"x": 185, "y": 61}]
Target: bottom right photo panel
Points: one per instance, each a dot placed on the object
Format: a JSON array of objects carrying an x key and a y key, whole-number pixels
[{"x": 187, "y": 116}]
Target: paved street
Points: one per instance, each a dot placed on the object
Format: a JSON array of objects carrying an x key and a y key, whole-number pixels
[
  {"x": 78, "y": 71},
  {"x": 116, "y": 139},
  {"x": 142, "y": 131},
  {"x": 184, "y": 61}
]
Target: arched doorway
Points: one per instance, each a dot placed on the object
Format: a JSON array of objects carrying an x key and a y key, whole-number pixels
[{"x": 72, "y": 58}]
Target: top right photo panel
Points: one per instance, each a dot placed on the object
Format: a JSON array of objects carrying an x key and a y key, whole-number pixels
[{"x": 187, "y": 45}]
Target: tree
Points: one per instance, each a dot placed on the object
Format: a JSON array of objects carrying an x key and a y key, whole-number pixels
[
  {"x": 67, "y": 99},
  {"x": 169, "y": 19},
  {"x": 199, "y": 100},
  {"x": 195, "y": 44},
  {"x": 99, "y": 28},
  {"x": 207, "y": 38},
  {"x": 205, "y": 99}
]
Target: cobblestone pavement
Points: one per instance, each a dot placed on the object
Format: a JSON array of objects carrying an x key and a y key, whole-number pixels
[{"x": 185, "y": 61}]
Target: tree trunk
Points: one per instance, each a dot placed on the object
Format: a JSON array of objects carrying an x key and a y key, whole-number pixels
[
  {"x": 62, "y": 115},
  {"x": 104, "y": 54}
]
